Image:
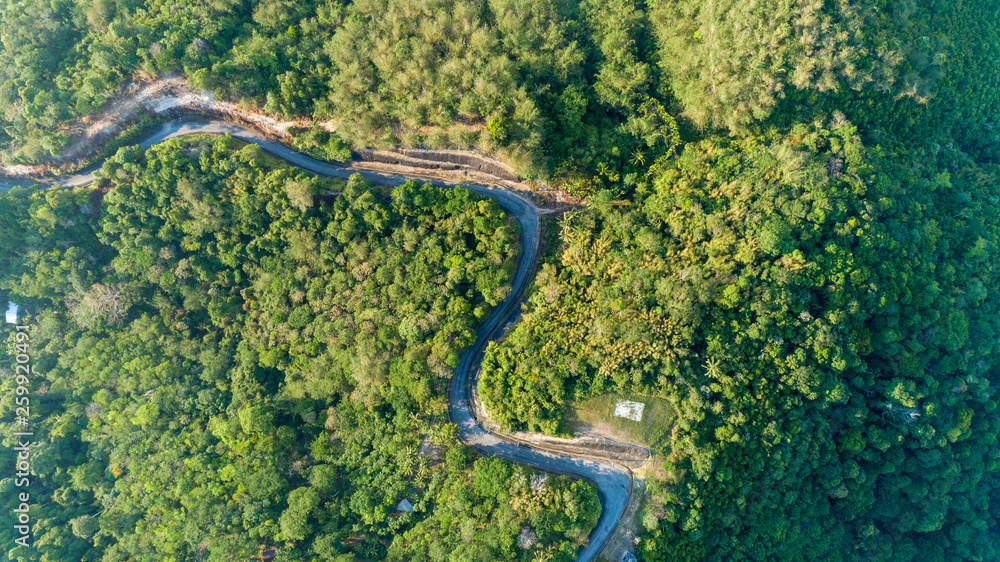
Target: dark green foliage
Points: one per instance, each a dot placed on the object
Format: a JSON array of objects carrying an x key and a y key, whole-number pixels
[
  {"x": 950, "y": 81},
  {"x": 823, "y": 319}
]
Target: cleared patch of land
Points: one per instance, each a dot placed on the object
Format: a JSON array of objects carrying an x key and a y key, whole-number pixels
[{"x": 595, "y": 416}]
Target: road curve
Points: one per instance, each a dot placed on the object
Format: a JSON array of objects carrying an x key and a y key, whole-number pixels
[{"x": 613, "y": 482}]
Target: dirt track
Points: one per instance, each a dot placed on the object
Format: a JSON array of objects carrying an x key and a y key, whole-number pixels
[{"x": 169, "y": 96}]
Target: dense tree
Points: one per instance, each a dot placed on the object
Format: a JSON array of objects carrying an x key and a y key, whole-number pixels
[
  {"x": 730, "y": 62},
  {"x": 822, "y": 318},
  {"x": 228, "y": 349},
  {"x": 227, "y": 356}
]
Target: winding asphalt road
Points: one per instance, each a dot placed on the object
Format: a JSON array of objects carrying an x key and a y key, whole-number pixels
[{"x": 613, "y": 482}]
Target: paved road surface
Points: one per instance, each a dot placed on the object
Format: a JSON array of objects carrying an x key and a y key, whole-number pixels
[{"x": 612, "y": 481}]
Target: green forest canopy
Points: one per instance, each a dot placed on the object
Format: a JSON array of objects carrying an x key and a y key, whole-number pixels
[
  {"x": 558, "y": 87},
  {"x": 229, "y": 358},
  {"x": 824, "y": 320},
  {"x": 791, "y": 237}
]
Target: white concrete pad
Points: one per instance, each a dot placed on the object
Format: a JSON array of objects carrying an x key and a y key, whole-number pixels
[{"x": 629, "y": 410}]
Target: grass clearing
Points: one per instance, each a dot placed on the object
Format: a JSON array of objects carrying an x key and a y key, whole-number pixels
[{"x": 596, "y": 416}]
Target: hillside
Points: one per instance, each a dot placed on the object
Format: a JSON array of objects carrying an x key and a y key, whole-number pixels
[{"x": 787, "y": 232}]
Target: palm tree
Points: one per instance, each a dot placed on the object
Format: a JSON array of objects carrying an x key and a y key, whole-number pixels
[
  {"x": 423, "y": 468},
  {"x": 712, "y": 368},
  {"x": 408, "y": 461}
]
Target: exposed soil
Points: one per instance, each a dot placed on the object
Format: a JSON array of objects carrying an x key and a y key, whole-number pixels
[
  {"x": 547, "y": 200},
  {"x": 598, "y": 429},
  {"x": 429, "y": 449},
  {"x": 169, "y": 95},
  {"x": 596, "y": 447}
]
